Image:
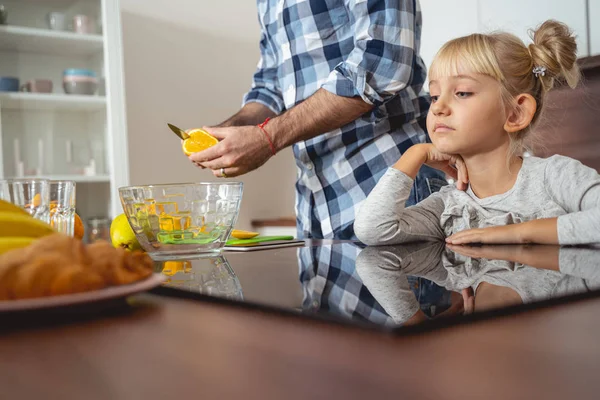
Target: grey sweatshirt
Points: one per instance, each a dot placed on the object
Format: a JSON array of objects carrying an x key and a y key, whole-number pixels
[{"x": 553, "y": 187}]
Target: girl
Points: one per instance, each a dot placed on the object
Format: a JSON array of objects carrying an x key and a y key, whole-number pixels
[{"x": 487, "y": 91}]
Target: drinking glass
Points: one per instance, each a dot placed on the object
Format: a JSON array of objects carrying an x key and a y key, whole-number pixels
[
  {"x": 62, "y": 206},
  {"x": 33, "y": 195}
]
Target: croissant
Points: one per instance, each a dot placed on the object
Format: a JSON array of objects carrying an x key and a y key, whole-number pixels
[{"x": 58, "y": 264}]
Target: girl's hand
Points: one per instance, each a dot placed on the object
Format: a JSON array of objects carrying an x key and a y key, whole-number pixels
[
  {"x": 452, "y": 164},
  {"x": 426, "y": 153},
  {"x": 505, "y": 234},
  {"x": 541, "y": 231}
]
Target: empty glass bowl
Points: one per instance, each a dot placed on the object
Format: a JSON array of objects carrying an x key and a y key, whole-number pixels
[{"x": 182, "y": 219}]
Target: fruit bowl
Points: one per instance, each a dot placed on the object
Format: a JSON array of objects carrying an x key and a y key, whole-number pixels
[{"x": 182, "y": 219}]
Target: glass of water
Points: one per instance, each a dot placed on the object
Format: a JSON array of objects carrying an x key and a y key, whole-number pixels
[
  {"x": 33, "y": 195},
  {"x": 62, "y": 206}
]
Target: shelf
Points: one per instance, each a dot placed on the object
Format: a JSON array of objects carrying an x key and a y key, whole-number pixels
[
  {"x": 76, "y": 178},
  {"x": 48, "y": 42},
  {"x": 50, "y": 101}
]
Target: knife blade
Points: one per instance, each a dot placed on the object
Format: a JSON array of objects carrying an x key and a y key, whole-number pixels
[{"x": 179, "y": 132}]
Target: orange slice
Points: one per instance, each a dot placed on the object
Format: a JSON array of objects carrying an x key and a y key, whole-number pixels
[
  {"x": 199, "y": 140},
  {"x": 243, "y": 234}
]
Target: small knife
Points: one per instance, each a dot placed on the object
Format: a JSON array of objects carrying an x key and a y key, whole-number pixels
[{"x": 179, "y": 132}]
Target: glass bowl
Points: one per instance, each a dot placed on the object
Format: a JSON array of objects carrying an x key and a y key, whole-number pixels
[{"x": 182, "y": 219}]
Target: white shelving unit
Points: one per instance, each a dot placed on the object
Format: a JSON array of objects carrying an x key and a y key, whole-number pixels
[
  {"x": 70, "y": 130},
  {"x": 51, "y": 101},
  {"x": 44, "y": 41}
]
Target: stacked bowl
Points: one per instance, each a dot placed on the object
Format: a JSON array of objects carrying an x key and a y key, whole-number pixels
[{"x": 80, "y": 81}]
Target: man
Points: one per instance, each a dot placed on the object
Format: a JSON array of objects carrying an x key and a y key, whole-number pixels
[{"x": 342, "y": 82}]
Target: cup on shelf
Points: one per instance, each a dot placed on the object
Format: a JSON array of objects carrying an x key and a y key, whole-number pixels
[
  {"x": 37, "y": 86},
  {"x": 9, "y": 84},
  {"x": 57, "y": 21},
  {"x": 80, "y": 81},
  {"x": 33, "y": 195},
  {"x": 84, "y": 25},
  {"x": 3, "y": 15}
]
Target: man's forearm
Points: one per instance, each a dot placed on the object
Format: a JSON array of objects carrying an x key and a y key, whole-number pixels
[
  {"x": 251, "y": 114},
  {"x": 320, "y": 113}
]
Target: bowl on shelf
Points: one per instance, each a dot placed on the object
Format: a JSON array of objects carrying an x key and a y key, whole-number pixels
[
  {"x": 80, "y": 81},
  {"x": 182, "y": 219},
  {"x": 9, "y": 84},
  {"x": 37, "y": 86}
]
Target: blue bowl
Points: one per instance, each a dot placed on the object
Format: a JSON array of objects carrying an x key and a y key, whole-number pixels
[
  {"x": 79, "y": 72},
  {"x": 9, "y": 84}
]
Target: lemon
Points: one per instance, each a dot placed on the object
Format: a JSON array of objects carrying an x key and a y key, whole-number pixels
[
  {"x": 236, "y": 233},
  {"x": 121, "y": 234},
  {"x": 199, "y": 140}
]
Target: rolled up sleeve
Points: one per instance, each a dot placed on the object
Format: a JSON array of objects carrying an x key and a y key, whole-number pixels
[
  {"x": 265, "y": 88},
  {"x": 381, "y": 63}
]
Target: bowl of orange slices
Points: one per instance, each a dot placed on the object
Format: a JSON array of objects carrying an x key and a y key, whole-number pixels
[{"x": 182, "y": 219}]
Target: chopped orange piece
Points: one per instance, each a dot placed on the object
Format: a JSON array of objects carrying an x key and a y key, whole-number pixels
[
  {"x": 79, "y": 230},
  {"x": 199, "y": 140},
  {"x": 236, "y": 233}
]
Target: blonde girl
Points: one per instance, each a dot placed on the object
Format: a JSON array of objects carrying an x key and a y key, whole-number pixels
[{"x": 487, "y": 92}]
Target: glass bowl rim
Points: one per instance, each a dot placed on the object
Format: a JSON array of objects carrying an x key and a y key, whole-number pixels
[{"x": 191, "y": 184}]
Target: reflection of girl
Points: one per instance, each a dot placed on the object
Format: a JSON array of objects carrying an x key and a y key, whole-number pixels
[
  {"x": 487, "y": 91},
  {"x": 503, "y": 276}
]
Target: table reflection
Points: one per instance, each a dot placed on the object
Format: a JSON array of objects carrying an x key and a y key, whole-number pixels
[
  {"x": 211, "y": 276},
  {"x": 391, "y": 285}
]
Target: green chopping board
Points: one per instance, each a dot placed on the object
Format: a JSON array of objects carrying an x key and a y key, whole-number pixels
[{"x": 255, "y": 240}]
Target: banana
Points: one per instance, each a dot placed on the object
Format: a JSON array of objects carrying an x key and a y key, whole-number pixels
[
  {"x": 5, "y": 206},
  {"x": 15, "y": 225},
  {"x": 11, "y": 243}
]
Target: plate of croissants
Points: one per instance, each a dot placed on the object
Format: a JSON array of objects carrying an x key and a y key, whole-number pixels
[{"x": 58, "y": 271}]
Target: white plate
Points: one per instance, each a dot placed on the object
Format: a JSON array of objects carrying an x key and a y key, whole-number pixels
[{"x": 110, "y": 293}]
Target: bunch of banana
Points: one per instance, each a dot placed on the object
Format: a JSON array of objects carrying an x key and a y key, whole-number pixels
[{"x": 19, "y": 229}]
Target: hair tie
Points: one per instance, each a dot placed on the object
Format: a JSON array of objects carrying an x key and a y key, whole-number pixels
[{"x": 539, "y": 70}]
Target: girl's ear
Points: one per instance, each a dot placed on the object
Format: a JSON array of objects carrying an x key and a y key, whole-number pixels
[{"x": 521, "y": 115}]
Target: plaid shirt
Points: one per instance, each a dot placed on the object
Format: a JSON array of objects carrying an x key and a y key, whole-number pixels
[
  {"x": 366, "y": 48},
  {"x": 330, "y": 284}
]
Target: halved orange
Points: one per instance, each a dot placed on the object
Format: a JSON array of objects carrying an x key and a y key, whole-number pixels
[
  {"x": 236, "y": 233},
  {"x": 199, "y": 140}
]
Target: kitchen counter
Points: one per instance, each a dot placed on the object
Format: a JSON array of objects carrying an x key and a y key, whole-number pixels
[{"x": 277, "y": 324}]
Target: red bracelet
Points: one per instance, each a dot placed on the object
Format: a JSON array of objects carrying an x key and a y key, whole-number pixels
[{"x": 262, "y": 128}]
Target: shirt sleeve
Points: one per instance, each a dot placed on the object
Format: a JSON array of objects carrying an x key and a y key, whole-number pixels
[
  {"x": 381, "y": 63},
  {"x": 383, "y": 219},
  {"x": 576, "y": 188},
  {"x": 265, "y": 87}
]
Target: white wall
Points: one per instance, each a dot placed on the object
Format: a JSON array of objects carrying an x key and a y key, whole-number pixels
[{"x": 189, "y": 62}]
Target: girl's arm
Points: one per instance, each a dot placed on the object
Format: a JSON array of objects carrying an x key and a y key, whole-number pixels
[
  {"x": 383, "y": 219},
  {"x": 576, "y": 188}
]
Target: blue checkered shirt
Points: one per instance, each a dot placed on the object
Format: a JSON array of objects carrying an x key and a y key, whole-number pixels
[
  {"x": 330, "y": 284},
  {"x": 349, "y": 48}
]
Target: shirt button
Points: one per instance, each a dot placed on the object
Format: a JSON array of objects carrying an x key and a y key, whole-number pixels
[
  {"x": 291, "y": 87},
  {"x": 309, "y": 167}
]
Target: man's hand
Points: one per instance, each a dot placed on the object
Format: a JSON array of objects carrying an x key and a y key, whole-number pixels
[{"x": 240, "y": 150}]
